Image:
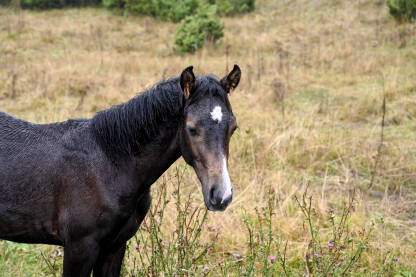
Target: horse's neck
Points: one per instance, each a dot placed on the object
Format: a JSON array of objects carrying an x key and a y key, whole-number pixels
[
  {"x": 126, "y": 129},
  {"x": 159, "y": 154}
]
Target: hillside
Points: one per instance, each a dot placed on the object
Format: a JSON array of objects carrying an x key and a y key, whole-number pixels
[{"x": 310, "y": 112}]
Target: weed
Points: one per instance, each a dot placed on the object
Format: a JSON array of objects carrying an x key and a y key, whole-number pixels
[{"x": 160, "y": 252}]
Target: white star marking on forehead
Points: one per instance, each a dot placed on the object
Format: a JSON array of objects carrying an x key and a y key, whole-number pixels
[{"x": 216, "y": 114}]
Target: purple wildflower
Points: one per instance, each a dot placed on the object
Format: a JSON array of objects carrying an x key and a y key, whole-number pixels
[
  {"x": 330, "y": 245},
  {"x": 388, "y": 261},
  {"x": 316, "y": 255},
  {"x": 136, "y": 246},
  {"x": 397, "y": 259},
  {"x": 184, "y": 240},
  {"x": 206, "y": 268},
  {"x": 272, "y": 259},
  {"x": 332, "y": 210}
]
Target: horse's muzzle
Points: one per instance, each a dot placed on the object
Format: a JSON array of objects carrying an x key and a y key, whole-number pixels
[{"x": 219, "y": 199}]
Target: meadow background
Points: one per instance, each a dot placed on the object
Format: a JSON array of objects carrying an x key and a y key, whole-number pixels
[{"x": 324, "y": 161}]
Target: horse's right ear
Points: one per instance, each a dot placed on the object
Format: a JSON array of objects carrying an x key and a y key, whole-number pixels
[{"x": 188, "y": 82}]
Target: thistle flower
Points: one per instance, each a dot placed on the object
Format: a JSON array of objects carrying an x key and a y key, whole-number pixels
[
  {"x": 136, "y": 246},
  {"x": 316, "y": 255},
  {"x": 330, "y": 245},
  {"x": 206, "y": 268},
  {"x": 272, "y": 259},
  {"x": 388, "y": 261},
  {"x": 397, "y": 259}
]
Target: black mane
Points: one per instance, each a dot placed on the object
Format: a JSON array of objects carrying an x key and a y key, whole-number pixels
[
  {"x": 125, "y": 128},
  {"x": 122, "y": 129}
]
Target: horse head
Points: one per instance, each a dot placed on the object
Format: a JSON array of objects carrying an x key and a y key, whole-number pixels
[{"x": 208, "y": 124}]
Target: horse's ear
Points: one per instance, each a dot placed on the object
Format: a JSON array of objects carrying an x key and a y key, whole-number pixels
[
  {"x": 188, "y": 82},
  {"x": 230, "y": 82}
]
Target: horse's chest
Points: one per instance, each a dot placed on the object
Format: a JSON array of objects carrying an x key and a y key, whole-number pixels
[{"x": 129, "y": 228}]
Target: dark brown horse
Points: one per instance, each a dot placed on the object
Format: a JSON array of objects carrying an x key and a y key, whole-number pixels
[{"x": 85, "y": 184}]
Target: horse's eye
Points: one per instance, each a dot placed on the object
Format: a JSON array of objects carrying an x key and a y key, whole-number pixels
[
  {"x": 234, "y": 128},
  {"x": 192, "y": 131}
]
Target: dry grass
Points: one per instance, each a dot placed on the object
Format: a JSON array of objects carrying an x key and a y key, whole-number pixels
[{"x": 329, "y": 58}]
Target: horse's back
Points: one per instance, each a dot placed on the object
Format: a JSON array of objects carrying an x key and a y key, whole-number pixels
[
  {"x": 15, "y": 131},
  {"x": 22, "y": 144},
  {"x": 29, "y": 152},
  {"x": 34, "y": 170}
]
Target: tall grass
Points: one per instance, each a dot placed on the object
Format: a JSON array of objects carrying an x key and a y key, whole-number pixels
[
  {"x": 160, "y": 251},
  {"x": 336, "y": 246}
]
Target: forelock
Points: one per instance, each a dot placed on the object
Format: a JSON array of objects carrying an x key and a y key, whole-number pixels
[{"x": 208, "y": 87}]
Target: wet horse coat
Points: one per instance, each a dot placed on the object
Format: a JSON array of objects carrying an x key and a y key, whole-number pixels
[{"x": 85, "y": 184}]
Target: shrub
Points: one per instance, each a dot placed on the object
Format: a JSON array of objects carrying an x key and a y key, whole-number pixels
[
  {"x": 402, "y": 9},
  {"x": 171, "y": 10},
  {"x": 4, "y": 2},
  {"x": 141, "y": 7},
  {"x": 114, "y": 4},
  {"x": 232, "y": 7},
  {"x": 41, "y": 4},
  {"x": 200, "y": 22},
  {"x": 175, "y": 10},
  {"x": 195, "y": 31}
]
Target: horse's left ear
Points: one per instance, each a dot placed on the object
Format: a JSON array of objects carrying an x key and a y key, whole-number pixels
[
  {"x": 230, "y": 82},
  {"x": 188, "y": 82}
]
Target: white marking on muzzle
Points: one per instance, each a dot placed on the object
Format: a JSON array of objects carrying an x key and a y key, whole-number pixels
[
  {"x": 226, "y": 182},
  {"x": 216, "y": 114}
]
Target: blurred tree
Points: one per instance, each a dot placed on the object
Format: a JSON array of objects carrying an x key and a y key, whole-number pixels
[
  {"x": 403, "y": 9},
  {"x": 52, "y": 4},
  {"x": 114, "y": 4},
  {"x": 176, "y": 10},
  {"x": 197, "y": 30},
  {"x": 232, "y": 7}
]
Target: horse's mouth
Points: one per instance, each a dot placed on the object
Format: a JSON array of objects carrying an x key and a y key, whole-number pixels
[
  {"x": 219, "y": 204},
  {"x": 216, "y": 208}
]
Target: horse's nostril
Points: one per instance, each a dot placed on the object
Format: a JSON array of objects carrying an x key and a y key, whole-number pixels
[
  {"x": 212, "y": 196},
  {"x": 211, "y": 193},
  {"x": 227, "y": 200}
]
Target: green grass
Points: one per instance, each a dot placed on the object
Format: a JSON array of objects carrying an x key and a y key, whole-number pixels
[{"x": 17, "y": 259}]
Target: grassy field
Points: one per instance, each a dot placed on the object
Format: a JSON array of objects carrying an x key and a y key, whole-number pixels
[{"x": 324, "y": 174}]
